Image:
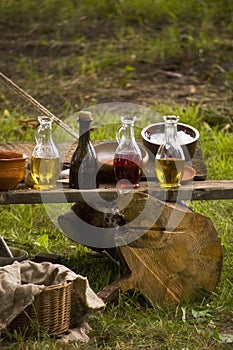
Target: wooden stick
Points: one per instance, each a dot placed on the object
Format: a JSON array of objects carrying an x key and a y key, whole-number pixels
[{"x": 36, "y": 104}]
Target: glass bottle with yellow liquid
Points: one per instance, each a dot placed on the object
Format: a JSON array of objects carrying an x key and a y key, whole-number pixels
[
  {"x": 45, "y": 161},
  {"x": 170, "y": 159}
]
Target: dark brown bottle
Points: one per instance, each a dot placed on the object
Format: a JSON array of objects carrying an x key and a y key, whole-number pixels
[{"x": 84, "y": 165}]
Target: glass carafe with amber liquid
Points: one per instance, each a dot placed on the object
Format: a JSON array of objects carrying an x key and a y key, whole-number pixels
[
  {"x": 45, "y": 160},
  {"x": 127, "y": 158},
  {"x": 170, "y": 159}
]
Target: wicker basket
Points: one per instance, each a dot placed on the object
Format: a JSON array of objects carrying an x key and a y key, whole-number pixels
[{"x": 50, "y": 312}]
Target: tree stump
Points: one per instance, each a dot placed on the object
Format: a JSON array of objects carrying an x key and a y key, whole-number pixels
[
  {"x": 166, "y": 251},
  {"x": 179, "y": 257}
]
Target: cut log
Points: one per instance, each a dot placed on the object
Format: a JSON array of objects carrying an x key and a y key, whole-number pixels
[
  {"x": 169, "y": 252},
  {"x": 177, "y": 258}
]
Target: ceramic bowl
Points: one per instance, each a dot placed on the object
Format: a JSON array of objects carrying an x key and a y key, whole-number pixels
[
  {"x": 18, "y": 255},
  {"x": 189, "y": 174},
  {"x": 105, "y": 153},
  {"x": 12, "y": 169},
  {"x": 152, "y": 136}
]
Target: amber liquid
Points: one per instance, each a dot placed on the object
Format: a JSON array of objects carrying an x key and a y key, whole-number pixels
[
  {"x": 128, "y": 168},
  {"x": 45, "y": 172},
  {"x": 169, "y": 172}
]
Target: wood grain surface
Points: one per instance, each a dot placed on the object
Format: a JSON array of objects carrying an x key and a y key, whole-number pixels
[{"x": 179, "y": 257}]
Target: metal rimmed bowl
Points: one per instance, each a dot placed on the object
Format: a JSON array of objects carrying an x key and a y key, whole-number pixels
[
  {"x": 153, "y": 136},
  {"x": 17, "y": 255}
]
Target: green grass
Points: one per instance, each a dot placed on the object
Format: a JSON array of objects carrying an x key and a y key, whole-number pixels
[
  {"x": 131, "y": 322},
  {"x": 109, "y": 43}
]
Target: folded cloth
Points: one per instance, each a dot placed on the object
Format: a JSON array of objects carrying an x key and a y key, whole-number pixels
[{"x": 21, "y": 282}]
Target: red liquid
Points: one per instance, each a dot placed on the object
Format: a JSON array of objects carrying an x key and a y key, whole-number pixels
[{"x": 128, "y": 167}]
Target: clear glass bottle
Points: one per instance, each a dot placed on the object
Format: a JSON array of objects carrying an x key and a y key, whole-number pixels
[
  {"x": 170, "y": 159},
  {"x": 127, "y": 158},
  {"x": 45, "y": 161},
  {"x": 84, "y": 164}
]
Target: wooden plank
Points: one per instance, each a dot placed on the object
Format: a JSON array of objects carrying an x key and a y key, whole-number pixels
[{"x": 195, "y": 190}]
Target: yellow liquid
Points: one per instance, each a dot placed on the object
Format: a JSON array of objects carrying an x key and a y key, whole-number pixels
[
  {"x": 169, "y": 172},
  {"x": 45, "y": 172}
]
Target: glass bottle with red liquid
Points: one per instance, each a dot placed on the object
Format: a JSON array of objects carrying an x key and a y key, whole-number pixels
[{"x": 128, "y": 158}]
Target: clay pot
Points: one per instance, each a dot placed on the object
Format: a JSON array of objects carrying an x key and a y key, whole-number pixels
[{"x": 12, "y": 169}]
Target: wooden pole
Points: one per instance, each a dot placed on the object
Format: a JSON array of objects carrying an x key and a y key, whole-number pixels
[{"x": 28, "y": 98}]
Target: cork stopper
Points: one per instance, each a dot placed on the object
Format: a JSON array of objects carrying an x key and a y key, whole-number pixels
[{"x": 85, "y": 116}]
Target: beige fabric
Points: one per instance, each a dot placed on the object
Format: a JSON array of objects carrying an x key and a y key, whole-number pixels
[{"x": 21, "y": 282}]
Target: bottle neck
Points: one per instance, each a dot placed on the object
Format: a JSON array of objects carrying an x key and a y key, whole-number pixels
[
  {"x": 170, "y": 132},
  {"x": 44, "y": 134},
  {"x": 84, "y": 131},
  {"x": 128, "y": 132}
]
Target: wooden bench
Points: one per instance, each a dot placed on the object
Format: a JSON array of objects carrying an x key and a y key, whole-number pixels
[
  {"x": 199, "y": 189},
  {"x": 166, "y": 266}
]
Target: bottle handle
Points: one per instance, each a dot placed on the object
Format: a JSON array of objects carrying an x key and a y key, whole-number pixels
[{"x": 118, "y": 133}]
